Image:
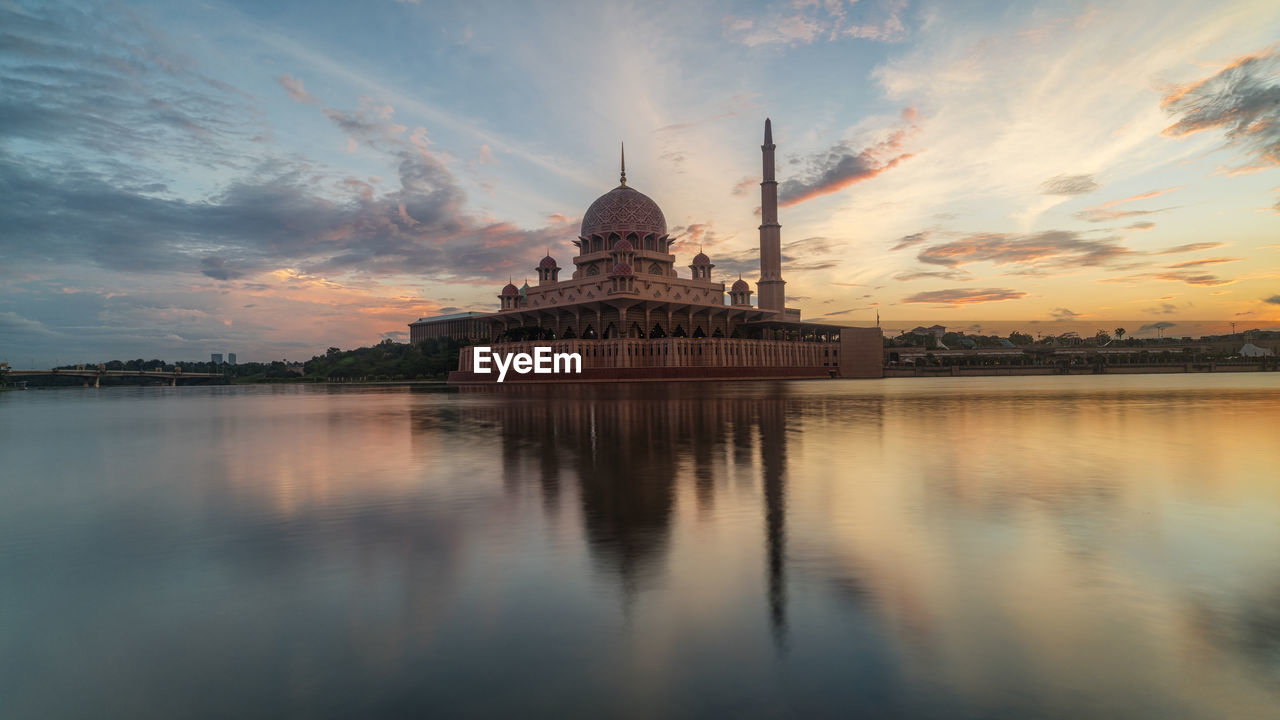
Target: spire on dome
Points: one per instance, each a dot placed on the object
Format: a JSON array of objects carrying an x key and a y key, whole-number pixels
[{"x": 624, "y": 165}]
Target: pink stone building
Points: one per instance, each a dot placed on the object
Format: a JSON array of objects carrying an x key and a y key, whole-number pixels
[{"x": 632, "y": 315}]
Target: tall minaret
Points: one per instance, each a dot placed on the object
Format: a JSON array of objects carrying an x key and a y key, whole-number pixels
[{"x": 772, "y": 288}]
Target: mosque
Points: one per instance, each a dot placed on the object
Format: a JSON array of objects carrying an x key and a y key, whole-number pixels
[{"x": 632, "y": 316}]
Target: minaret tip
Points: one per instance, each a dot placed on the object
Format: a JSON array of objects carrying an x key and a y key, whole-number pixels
[
  {"x": 623, "y": 179},
  {"x": 768, "y": 132}
]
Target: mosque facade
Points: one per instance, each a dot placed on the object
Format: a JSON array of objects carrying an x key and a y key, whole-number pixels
[{"x": 632, "y": 315}]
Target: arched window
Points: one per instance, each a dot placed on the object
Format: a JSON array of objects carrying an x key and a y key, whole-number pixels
[
  {"x": 698, "y": 333},
  {"x": 610, "y": 331},
  {"x": 655, "y": 269},
  {"x": 657, "y": 331},
  {"x": 589, "y": 333},
  {"x": 679, "y": 332}
]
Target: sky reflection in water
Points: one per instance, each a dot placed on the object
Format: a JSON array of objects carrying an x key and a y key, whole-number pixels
[{"x": 973, "y": 547}]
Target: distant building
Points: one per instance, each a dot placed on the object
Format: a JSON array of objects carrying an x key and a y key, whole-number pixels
[
  {"x": 459, "y": 326},
  {"x": 935, "y": 330},
  {"x": 231, "y": 358},
  {"x": 1251, "y": 350},
  {"x": 216, "y": 358}
]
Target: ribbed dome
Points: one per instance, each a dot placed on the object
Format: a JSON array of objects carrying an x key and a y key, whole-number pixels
[
  {"x": 624, "y": 245},
  {"x": 623, "y": 210},
  {"x": 741, "y": 286},
  {"x": 547, "y": 262},
  {"x": 701, "y": 259},
  {"x": 621, "y": 269},
  {"x": 510, "y": 290}
]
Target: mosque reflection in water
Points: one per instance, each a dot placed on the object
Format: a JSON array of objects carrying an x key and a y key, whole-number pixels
[{"x": 626, "y": 447}]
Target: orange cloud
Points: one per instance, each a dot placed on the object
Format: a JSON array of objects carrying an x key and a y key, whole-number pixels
[
  {"x": 1206, "y": 261},
  {"x": 961, "y": 296}
]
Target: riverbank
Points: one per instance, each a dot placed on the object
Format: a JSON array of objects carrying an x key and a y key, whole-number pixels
[{"x": 1142, "y": 369}]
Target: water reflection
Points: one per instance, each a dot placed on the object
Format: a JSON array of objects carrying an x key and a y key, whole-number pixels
[
  {"x": 626, "y": 449},
  {"x": 967, "y": 547}
]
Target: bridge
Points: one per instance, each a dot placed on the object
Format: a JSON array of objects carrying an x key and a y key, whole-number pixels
[{"x": 96, "y": 374}]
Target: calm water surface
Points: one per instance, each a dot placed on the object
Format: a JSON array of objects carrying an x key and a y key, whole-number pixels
[{"x": 963, "y": 547}]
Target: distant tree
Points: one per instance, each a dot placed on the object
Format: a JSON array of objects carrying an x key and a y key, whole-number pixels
[
  {"x": 1020, "y": 338},
  {"x": 1119, "y": 333},
  {"x": 1101, "y": 338}
]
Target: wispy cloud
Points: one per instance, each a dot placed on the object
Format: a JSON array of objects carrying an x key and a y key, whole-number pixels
[
  {"x": 1204, "y": 261},
  {"x": 1069, "y": 185},
  {"x": 296, "y": 89},
  {"x": 961, "y": 296},
  {"x": 1059, "y": 248},
  {"x": 911, "y": 240},
  {"x": 843, "y": 165},
  {"x": 807, "y": 21},
  {"x": 1108, "y": 211},
  {"x": 1242, "y": 100}
]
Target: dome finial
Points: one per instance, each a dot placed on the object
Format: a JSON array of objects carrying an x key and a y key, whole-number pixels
[
  {"x": 768, "y": 132},
  {"x": 624, "y": 165}
]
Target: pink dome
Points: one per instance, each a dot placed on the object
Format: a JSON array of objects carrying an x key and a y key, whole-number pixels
[
  {"x": 624, "y": 245},
  {"x": 621, "y": 269},
  {"x": 510, "y": 290},
  {"x": 547, "y": 262},
  {"x": 623, "y": 210},
  {"x": 701, "y": 259},
  {"x": 741, "y": 286}
]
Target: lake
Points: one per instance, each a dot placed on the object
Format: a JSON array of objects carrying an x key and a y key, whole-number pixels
[{"x": 1085, "y": 546}]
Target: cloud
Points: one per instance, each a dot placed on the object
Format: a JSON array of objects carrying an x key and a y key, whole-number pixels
[
  {"x": 811, "y": 20},
  {"x": 1193, "y": 278},
  {"x": 216, "y": 268},
  {"x": 1189, "y": 247},
  {"x": 843, "y": 165},
  {"x": 1107, "y": 211},
  {"x": 1242, "y": 100},
  {"x": 1162, "y": 309},
  {"x": 296, "y": 90},
  {"x": 14, "y": 329},
  {"x": 1205, "y": 261},
  {"x": 942, "y": 274},
  {"x": 273, "y": 218},
  {"x": 1056, "y": 248},
  {"x": 1163, "y": 324},
  {"x": 911, "y": 240},
  {"x": 1064, "y": 315},
  {"x": 1069, "y": 185},
  {"x": 959, "y": 296},
  {"x": 1274, "y": 300},
  {"x": 1144, "y": 225}
]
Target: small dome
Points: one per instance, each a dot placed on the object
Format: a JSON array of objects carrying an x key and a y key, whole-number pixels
[
  {"x": 623, "y": 210},
  {"x": 701, "y": 259},
  {"x": 741, "y": 286},
  {"x": 547, "y": 262},
  {"x": 624, "y": 245},
  {"x": 510, "y": 290},
  {"x": 621, "y": 269}
]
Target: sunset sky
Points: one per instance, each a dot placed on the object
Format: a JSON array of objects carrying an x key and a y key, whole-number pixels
[{"x": 275, "y": 178}]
